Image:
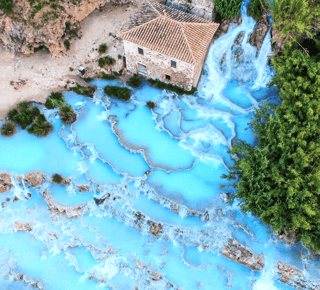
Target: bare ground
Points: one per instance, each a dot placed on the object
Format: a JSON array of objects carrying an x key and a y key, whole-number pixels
[{"x": 34, "y": 77}]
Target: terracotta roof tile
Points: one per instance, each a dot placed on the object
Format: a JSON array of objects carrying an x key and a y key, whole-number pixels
[{"x": 171, "y": 32}]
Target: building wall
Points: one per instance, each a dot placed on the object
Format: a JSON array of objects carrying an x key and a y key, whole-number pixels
[
  {"x": 158, "y": 65},
  {"x": 201, "y": 8}
]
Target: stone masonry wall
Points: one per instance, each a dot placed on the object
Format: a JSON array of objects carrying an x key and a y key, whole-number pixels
[
  {"x": 158, "y": 65},
  {"x": 201, "y": 8}
]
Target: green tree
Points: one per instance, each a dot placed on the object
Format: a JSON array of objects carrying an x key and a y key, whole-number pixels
[
  {"x": 279, "y": 179},
  {"x": 295, "y": 17},
  {"x": 227, "y": 8}
]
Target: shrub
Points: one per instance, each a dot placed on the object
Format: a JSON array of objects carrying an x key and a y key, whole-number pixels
[
  {"x": 67, "y": 114},
  {"x": 256, "y": 9},
  {"x": 71, "y": 69},
  {"x": 68, "y": 24},
  {"x": 295, "y": 17},
  {"x": 40, "y": 127},
  {"x": 73, "y": 32},
  {"x": 161, "y": 85},
  {"x": 7, "y": 6},
  {"x": 24, "y": 116},
  {"x": 103, "y": 61},
  {"x": 8, "y": 129},
  {"x": 81, "y": 90},
  {"x": 105, "y": 76},
  {"x": 119, "y": 56},
  {"x": 55, "y": 100},
  {"x": 134, "y": 82},
  {"x": 102, "y": 48},
  {"x": 279, "y": 179},
  {"x": 118, "y": 92},
  {"x": 227, "y": 8},
  {"x": 67, "y": 44},
  {"x": 57, "y": 178},
  {"x": 151, "y": 105},
  {"x": 118, "y": 74}
]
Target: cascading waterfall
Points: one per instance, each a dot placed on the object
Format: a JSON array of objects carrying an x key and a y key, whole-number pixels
[{"x": 154, "y": 216}]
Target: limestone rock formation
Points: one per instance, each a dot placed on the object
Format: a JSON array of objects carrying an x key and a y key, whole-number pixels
[
  {"x": 235, "y": 251},
  {"x": 290, "y": 239},
  {"x": 5, "y": 178},
  {"x": 31, "y": 29},
  {"x": 3, "y": 188},
  {"x": 155, "y": 228},
  {"x": 260, "y": 31},
  {"x": 35, "y": 178},
  {"x": 294, "y": 278},
  {"x": 22, "y": 227},
  {"x": 82, "y": 188}
]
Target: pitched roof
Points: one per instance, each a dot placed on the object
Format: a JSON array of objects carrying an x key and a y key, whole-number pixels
[{"x": 170, "y": 31}]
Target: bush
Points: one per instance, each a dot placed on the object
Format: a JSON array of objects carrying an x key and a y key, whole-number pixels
[
  {"x": 24, "y": 116},
  {"x": 227, "y": 8},
  {"x": 295, "y": 17},
  {"x": 40, "y": 127},
  {"x": 256, "y": 9},
  {"x": 7, "y": 6},
  {"x": 279, "y": 179},
  {"x": 55, "y": 100},
  {"x": 103, "y": 61},
  {"x": 71, "y": 69},
  {"x": 57, "y": 178},
  {"x": 134, "y": 82},
  {"x": 102, "y": 48},
  {"x": 8, "y": 129},
  {"x": 81, "y": 90},
  {"x": 118, "y": 92},
  {"x": 67, "y": 44},
  {"x": 105, "y": 76},
  {"x": 67, "y": 114},
  {"x": 151, "y": 105},
  {"x": 161, "y": 85},
  {"x": 73, "y": 32},
  {"x": 118, "y": 74}
]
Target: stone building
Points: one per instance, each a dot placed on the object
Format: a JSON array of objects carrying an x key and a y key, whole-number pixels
[{"x": 167, "y": 44}]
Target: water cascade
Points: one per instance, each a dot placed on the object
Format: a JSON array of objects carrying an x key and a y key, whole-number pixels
[{"x": 143, "y": 208}]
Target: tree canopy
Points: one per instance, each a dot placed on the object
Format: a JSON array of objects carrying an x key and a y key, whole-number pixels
[{"x": 279, "y": 179}]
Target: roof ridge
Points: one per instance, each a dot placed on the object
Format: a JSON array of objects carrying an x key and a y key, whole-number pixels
[
  {"x": 139, "y": 26},
  {"x": 186, "y": 39}
]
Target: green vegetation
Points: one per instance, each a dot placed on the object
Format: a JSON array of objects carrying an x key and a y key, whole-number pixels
[
  {"x": 119, "y": 56},
  {"x": 118, "y": 92},
  {"x": 7, "y": 6},
  {"x": 73, "y": 32},
  {"x": 161, "y": 85},
  {"x": 55, "y": 100},
  {"x": 256, "y": 8},
  {"x": 8, "y": 129},
  {"x": 71, "y": 69},
  {"x": 67, "y": 114},
  {"x": 102, "y": 48},
  {"x": 135, "y": 82},
  {"x": 67, "y": 44},
  {"x": 279, "y": 179},
  {"x": 151, "y": 105},
  {"x": 227, "y": 8},
  {"x": 118, "y": 74},
  {"x": 105, "y": 76},
  {"x": 24, "y": 115},
  {"x": 40, "y": 127},
  {"x": 81, "y": 90},
  {"x": 103, "y": 61},
  {"x": 295, "y": 17},
  {"x": 57, "y": 178}
]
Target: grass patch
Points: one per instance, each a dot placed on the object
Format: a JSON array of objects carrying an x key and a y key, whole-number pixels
[
  {"x": 135, "y": 82},
  {"x": 227, "y": 9},
  {"x": 151, "y": 105},
  {"x": 8, "y": 129},
  {"x": 161, "y": 85},
  {"x": 118, "y": 92},
  {"x": 57, "y": 178},
  {"x": 103, "y": 61},
  {"x": 81, "y": 90},
  {"x": 102, "y": 48},
  {"x": 67, "y": 114},
  {"x": 55, "y": 100}
]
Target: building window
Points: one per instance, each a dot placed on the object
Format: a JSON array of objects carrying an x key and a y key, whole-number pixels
[
  {"x": 167, "y": 78},
  {"x": 140, "y": 50},
  {"x": 173, "y": 63}
]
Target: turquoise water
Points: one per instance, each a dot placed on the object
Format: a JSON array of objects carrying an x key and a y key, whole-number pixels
[{"x": 162, "y": 165}]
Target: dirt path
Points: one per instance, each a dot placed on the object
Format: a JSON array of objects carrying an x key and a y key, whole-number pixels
[{"x": 32, "y": 78}]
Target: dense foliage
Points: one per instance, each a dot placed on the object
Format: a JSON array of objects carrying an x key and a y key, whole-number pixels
[
  {"x": 279, "y": 179},
  {"x": 40, "y": 127},
  {"x": 57, "y": 178},
  {"x": 7, "y": 6},
  {"x": 295, "y": 17},
  {"x": 67, "y": 114},
  {"x": 256, "y": 8},
  {"x": 8, "y": 129},
  {"x": 55, "y": 100},
  {"x": 102, "y": 48},
  {"x": 118, "y": 92},
  {"x": 24, "y": 115},
  {"x": 107, "y": 60},
  {"x": 161, "y": 85},
  {"x": 227, "y": 8},
  {"x": 81, "y": 90},
  {"x": 151, "y": 105},
  {"x": 134, "y": 81}
]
